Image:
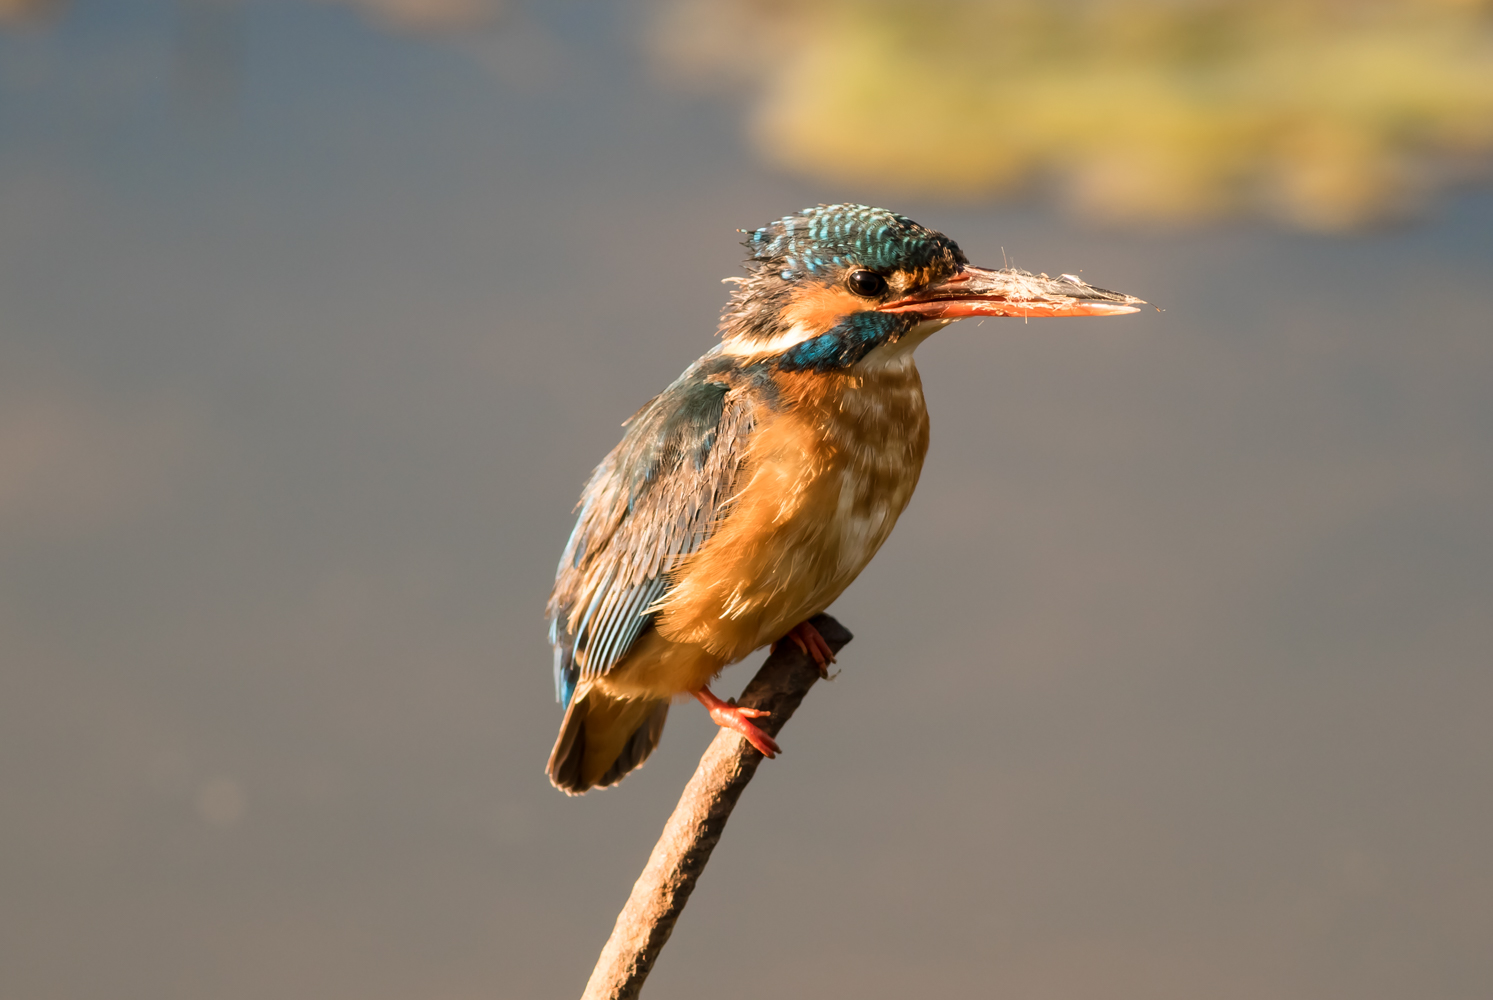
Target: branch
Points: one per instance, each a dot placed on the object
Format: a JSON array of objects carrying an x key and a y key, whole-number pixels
[{"x": 680, "y": 855}]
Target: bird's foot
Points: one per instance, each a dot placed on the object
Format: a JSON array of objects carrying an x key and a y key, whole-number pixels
[
  {"x": 734, "y": 717},
  {"x": 809, "y": 642}
]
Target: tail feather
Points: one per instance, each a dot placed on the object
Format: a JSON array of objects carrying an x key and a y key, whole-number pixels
[{"x": 603, "y": 738}]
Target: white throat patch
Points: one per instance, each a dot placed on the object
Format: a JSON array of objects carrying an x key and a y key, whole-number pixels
[{"x": 893, "y": 355}]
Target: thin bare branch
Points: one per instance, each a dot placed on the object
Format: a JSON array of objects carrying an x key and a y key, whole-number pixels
[{"x": 698, "y": 820}]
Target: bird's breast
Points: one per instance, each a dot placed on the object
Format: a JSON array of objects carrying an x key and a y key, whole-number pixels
[{"x": 829, "y": 470}]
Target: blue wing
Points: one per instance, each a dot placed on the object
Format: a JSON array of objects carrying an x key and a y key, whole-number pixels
[{"x": 654, "y": 500}]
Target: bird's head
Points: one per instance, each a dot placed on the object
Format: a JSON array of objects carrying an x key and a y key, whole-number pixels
[{"x": 831, "y": 285}]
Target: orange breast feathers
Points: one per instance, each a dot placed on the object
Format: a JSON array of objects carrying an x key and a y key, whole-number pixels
[{"x": 825, "y": 478}]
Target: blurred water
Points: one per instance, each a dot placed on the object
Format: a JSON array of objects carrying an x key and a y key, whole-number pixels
[{"x": 1173, "y": 681}]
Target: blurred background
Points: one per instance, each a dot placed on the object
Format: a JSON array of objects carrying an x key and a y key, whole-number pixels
[{"x": 1173, "y": 683}]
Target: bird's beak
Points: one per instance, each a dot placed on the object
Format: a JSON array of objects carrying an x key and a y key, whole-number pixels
[{"x": 976, "y": 291}]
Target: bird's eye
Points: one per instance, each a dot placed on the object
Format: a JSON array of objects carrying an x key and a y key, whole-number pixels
[{"x": 867, "y": 283}]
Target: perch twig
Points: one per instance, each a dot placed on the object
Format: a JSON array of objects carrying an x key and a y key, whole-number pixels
[{"x": 680, "y": 855}]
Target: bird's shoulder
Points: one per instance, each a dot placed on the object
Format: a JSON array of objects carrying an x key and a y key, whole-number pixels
[
  {"x": 683, "y": 441},
  {"x": 655, "y": 499}
]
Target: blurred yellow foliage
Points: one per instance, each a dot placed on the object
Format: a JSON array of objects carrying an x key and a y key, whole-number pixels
[{"x": 1329, "y": 115}]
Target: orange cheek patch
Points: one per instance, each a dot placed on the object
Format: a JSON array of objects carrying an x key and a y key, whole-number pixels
[{"x": 820, "y": 307}]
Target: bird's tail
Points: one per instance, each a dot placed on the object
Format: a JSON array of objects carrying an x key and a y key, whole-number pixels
[{"x": 603, "y": 738}]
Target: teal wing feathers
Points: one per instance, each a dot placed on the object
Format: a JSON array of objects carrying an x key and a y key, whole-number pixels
[{"x": 652, "y": 501}]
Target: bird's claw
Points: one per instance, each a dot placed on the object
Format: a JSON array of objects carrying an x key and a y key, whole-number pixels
[
  {"x": 810, "y": 643},
  {"x": 738, "y": 719}
]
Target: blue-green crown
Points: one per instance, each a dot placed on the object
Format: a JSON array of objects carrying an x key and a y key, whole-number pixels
[{"x": 828, "y": 237}]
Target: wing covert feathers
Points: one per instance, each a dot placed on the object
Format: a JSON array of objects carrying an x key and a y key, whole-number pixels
[{"x": 653, "y": 500}]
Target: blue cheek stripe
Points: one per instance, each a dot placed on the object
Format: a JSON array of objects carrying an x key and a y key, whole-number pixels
[
  {"x": 813, "y": 352},
  {"x": 852, "y": 339}
]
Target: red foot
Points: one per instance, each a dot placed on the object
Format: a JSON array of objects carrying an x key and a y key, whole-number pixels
[
  {"x": 729, "y": 716},
  {"x": 809, "y": 642}
]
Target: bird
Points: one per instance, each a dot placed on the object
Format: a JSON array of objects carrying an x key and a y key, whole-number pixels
[{"x": 744, "y": 498}]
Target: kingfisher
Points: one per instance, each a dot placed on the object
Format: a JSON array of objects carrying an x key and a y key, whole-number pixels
[{"x": 744, "y": 498}]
